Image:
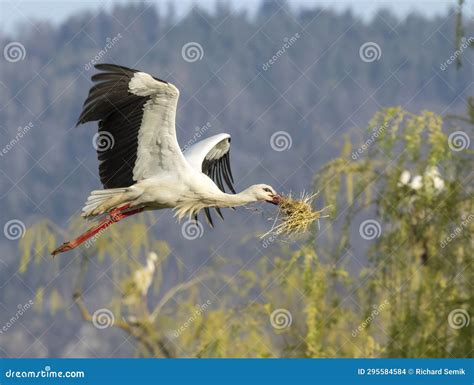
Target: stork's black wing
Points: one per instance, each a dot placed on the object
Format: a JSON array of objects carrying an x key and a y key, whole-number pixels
[{"x": 120, "y": 114}]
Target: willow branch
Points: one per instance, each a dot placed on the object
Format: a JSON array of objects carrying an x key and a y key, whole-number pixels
[
  {"x": 136, "y": 330},
  {"x": 175, "y": 290}
]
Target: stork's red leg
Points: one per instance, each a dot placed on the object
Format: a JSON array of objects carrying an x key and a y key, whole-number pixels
[{"x": 114, "y": 216}]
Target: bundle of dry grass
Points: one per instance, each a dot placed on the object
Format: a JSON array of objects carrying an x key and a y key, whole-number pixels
[{"x": 295, "y": 215}]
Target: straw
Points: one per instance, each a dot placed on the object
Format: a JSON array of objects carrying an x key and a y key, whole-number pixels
[{"x": 295, "y": 215}]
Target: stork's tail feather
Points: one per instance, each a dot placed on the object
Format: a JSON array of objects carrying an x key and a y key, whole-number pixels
[
  {"x": 102, "y": 201},
  {"x": 114, "y": 216}
]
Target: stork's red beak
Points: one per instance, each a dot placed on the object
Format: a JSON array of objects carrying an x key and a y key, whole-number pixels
[{"x": 275, "y": 200}]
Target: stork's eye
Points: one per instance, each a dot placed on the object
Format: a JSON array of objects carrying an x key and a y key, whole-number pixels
[{"x": 266, "y": 189}]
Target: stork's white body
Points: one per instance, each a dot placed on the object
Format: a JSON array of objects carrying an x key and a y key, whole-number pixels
[
  {"x": 161, "y": 176},
  {"x": 176, "y": 191},
  {"x": 185, "y": 188}
]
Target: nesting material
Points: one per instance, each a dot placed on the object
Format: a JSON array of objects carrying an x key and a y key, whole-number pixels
[{"x": 295, "y": 215}]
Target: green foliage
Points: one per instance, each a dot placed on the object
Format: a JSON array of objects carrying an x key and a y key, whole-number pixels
[{"x": 412, "y": 266}]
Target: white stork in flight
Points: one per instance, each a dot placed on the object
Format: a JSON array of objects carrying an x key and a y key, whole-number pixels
[{"x": 145, "y": 168}]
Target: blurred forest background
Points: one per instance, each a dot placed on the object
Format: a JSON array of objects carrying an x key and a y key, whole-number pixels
[{"x": 384, "y": 138}]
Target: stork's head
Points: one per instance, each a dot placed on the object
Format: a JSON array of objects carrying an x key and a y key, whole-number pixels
[
  {"x": 264, "y": 192},
  {"x": 152, "y": 257}
]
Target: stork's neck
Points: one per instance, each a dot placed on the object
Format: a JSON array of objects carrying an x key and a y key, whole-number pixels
[
  {"x": 233, "y": 200},
  {"x": 216, "y": 199},
  {"x": 150, "y": 265}
]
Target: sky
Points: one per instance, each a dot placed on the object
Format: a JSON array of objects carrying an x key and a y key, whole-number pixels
[{"x": 15, "y": 12}]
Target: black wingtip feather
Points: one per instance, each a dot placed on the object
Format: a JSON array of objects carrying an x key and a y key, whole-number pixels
[
  {"x": 208, "y": 217},
  {"x": 227, "y": 162},
  {"x": 220, "y": 172},
  {"x": 218, "y": 210}
]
